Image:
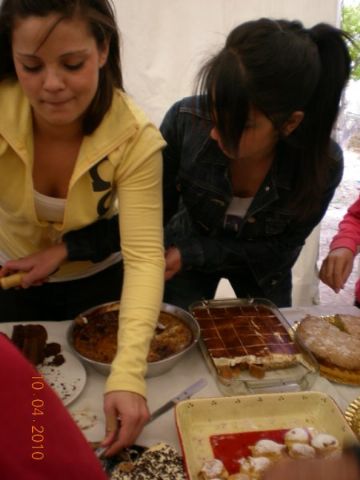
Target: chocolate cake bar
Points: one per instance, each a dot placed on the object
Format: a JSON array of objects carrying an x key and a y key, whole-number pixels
[
  {"x": 31, "y": 341},
  {"x": 249, "y": 337}
]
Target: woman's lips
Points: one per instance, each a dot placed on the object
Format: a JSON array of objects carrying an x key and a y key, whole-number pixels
[{"x": 56, "y": 103}]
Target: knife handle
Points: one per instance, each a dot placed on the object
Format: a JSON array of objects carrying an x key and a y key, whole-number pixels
[{"x": 11, "y": 280}]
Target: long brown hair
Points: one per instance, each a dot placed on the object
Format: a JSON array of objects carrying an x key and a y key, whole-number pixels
[{"x": 101, "y": 19}]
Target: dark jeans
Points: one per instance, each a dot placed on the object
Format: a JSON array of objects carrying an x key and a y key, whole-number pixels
[
  {"x": 190, "y": 286},
  {"x": 61, "y": 300}
]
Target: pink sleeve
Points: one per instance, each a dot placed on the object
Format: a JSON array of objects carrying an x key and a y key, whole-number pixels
[
  {"x": 38, "y": 439},
  {"x": 348, "y": 235}
]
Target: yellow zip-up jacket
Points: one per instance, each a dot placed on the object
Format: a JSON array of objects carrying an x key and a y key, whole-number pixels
[{"x": 119, "y": 166}]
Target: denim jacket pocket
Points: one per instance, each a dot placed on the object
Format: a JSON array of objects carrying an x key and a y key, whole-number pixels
[
  {"x": 206, "y": 206},
  {"x": 276, "y": 223}
]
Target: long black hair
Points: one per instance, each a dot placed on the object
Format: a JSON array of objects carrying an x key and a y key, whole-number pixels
[
  {"x": 279, "y": 67},
  {"x": 101, "y": 19}
]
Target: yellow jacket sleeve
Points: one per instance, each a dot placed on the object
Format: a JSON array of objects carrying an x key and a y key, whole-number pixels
[{"x": 139, "y": 188}]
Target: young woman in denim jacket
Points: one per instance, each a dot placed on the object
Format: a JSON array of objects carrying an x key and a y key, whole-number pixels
[{"x": 249, "y": 167}]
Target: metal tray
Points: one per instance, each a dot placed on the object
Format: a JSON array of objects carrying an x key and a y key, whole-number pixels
[
  {"x": 352, "y": 415},
  {"x": 298, "y": 377}
]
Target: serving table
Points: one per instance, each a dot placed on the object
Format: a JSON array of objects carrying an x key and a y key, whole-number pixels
[{"x": 190, "y": 369}]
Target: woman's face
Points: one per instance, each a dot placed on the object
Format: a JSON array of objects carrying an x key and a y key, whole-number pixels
[
  {"x": 257, "y": 141},
  {"x": 60, "y": 74}
]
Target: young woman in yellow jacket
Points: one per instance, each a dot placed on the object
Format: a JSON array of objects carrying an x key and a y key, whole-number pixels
[{"x": 74, "y": 149}]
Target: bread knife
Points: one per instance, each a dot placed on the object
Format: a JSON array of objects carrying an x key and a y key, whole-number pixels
[{"x": 187, "y": 393}]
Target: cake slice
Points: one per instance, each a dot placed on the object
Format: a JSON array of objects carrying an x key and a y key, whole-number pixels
[{"x": 31, "y": 341}]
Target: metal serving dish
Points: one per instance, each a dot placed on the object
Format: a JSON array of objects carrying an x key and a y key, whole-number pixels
[{"x": 154, "y": 368}]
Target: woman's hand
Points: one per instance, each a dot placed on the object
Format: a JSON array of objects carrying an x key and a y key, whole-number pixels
[
  {"x": 336, "y": 268},
  {"x": 126, "y": 414},
  {"x": 173, "y": 262},
  {"x": 38, "y": 265}
]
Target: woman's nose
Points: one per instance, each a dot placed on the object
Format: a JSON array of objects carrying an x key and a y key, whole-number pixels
[{"x": 53, "y": 80}]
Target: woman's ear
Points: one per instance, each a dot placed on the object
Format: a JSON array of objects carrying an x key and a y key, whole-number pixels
[
  {"x": 103, "y": 53},
  {"x": 292, "y": 122}
]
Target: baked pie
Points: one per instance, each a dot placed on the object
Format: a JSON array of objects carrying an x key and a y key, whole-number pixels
[
  {"x": 335, "y": 342},
  {"x": 95, "y": 336}
]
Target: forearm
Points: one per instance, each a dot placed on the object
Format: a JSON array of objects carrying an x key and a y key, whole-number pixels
[
  {"x": 216, "y": 253},
  {"x": 140, "y": 207}
]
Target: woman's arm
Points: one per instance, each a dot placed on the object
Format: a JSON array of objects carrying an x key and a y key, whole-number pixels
[
  {"x": 138, "y": 180},
  {"x": 94, "y": 242},
  {"x": 338, "y": 264}
]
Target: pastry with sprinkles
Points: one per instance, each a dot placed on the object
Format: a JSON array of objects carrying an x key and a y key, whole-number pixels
[
  {"x": 296, "y": 435},
  {"x": 301, "y": 451},
  {"x": 325, "y": 445},
  {"x": 254, "y": 467},
  {"x": 268, "y": 448},
  {"x": 213, "y": 469}
]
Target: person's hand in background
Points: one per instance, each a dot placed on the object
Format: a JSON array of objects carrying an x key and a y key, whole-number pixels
[
  {"x": 336, "y": 268},
  {"x": 173, "y": 262},
  {"x": 37, "y": 266}
]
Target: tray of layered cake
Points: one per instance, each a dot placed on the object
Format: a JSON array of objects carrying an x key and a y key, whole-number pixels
[
  {"x": 249, "y": 347},
  {"x": 240, "y": 437},
  {"x": 334, "y": 340}
]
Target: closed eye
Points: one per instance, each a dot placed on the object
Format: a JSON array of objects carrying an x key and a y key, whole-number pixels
[
  {"x": 33, "y": 69},
  {"x": 72, "y": 67}
]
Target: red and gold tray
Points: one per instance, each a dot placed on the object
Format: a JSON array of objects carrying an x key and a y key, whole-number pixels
[{"x": 241, "y": 420}]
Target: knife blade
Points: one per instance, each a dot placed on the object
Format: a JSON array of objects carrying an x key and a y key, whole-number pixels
[{"x": 187, "y": 393}]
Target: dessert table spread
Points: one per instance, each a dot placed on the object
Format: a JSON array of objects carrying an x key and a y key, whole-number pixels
[{"x": 87, "y": 407}]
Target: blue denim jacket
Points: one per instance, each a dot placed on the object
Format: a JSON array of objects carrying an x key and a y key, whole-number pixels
[{"x": 197, "y": 192}]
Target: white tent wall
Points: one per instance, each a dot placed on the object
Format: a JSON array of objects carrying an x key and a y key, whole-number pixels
[{"x": 165, "y": 41}]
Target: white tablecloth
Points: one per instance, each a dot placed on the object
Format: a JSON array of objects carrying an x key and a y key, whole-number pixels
[{"x": 190, "y": 369}]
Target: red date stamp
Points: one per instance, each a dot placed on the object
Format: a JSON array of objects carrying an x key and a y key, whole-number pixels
[{"x": 37, "y": 411}]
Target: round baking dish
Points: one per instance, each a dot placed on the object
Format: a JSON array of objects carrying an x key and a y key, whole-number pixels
[{"x": 155, "y": 368}]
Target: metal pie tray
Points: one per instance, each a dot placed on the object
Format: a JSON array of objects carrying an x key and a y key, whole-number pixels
[{"x": 352, "y": 415}]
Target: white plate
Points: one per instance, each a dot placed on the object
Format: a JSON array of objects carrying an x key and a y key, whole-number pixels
[{"x": 68, "y": 379}]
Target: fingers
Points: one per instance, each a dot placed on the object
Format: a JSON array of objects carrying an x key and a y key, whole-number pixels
[
  {"x": 111, "y": 427},
  {"x": 133, "y": 413},
  {"x": 336, "y": 268},
  {"x": 126, "y": 435},
  {"x": 169, "y": 274},
  {"x": 327, "y": 273},
  {"x": 34, "y": 278}
]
